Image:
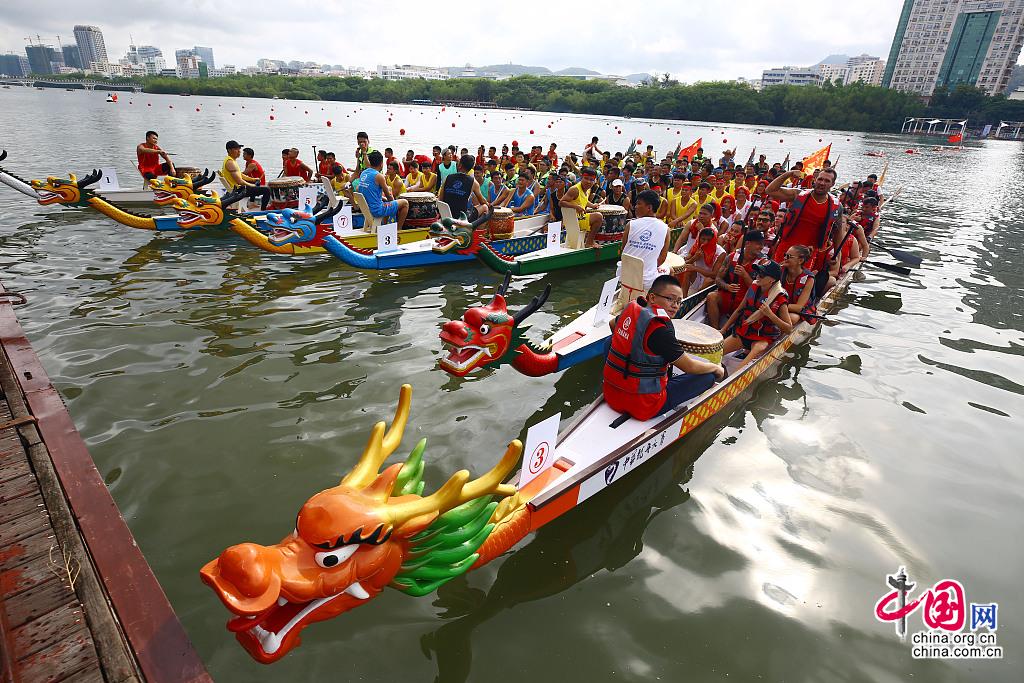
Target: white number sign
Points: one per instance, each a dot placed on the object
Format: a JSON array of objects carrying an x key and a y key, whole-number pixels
[
  {"x": 554, "y": 235},
  {"x": 604, "y": 305},
  {"x": 387, "y": 238},
  {"x": 109, "y": 180},
  {"x": 539, "y": 452},
  {"x": 343, "y": 219}
]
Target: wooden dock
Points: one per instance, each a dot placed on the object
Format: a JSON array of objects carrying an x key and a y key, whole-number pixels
[{"x": 78, "y": 602}]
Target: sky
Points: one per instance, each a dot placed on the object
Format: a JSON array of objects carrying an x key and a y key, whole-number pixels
[{"x": 690, "y": 40}]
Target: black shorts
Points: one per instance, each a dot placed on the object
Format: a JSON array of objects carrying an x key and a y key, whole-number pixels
[{"x": 164, "y": 170}]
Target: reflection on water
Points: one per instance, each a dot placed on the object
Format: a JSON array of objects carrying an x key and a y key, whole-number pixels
[{"x": 218, "y": 387}]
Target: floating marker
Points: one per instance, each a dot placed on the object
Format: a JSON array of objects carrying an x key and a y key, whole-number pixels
[
  {"x": 271, "y": 117},
  {"x": 329, "y": 123},
  {"x": 401, "y": 131}
]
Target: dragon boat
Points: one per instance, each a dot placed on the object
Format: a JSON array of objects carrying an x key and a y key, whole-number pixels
[
  {"x": 289, "y": 232},
  {"x": 376, "y": 529},
  {"x": 452, "y": 241},
  {"x": 571, "y": 253}
]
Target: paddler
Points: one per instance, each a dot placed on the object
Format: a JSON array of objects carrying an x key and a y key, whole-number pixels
[
  {"x": 253, "y": 168},
  {"x": 234, "y": 177},
  {"x": 363, "y": 151},
  {"x": 810, "y": 217},
  {"x": 735, "y": 278},
  {"x": 763, "y": 315},
  {"x": 296, "y": 167},
  {"x": 375, "y": 189},
  {"x": 577, "y": 197},
  {"x": 150, "y": 154},
  {"x": 643, "y": 350},
  {"x": 461, "y": 191},
  {"x": 647, "y": 236}
]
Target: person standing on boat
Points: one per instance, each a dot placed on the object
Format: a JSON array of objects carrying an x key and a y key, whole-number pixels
[
  {"x": 646, "y": 237},
  {"x": 363, "y": 151},
  {"x": 234, "y": 177},
  {"x": 379, "y": 199},
  {"x": 644, "y": 348},
  {"x": 578, "y": 197},
  {"x": 149, "y": 155},
  {"x": 810, "y": 218},
  {"x": 763, "y": 315},
  {"x": 462, "y": 192}
]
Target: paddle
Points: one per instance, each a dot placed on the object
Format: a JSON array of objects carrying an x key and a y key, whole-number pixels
[
  {"x": 900, "y": 255},
  {"x": 819, "y": 316},
  {"x": 887, "y": 266}
]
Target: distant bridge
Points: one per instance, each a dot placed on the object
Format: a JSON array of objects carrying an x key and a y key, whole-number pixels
[{"x": 81, "y": 84}]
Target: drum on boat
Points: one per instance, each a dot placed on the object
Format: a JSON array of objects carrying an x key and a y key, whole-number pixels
[
  {"x": 422, "y": 209},
  {"x": 502, "y": 224},
  {"x": 284, "y": 191},
  {"x": 699, "y": 339},
  {"x": 615, "y": 218},
  {"x": 187, "y": 171}
]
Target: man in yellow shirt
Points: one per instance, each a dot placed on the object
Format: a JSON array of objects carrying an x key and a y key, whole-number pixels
[{"x": 234, "y": 177}]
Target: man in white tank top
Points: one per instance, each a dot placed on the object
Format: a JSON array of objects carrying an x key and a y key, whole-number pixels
[{"x": 646, "y": 236}]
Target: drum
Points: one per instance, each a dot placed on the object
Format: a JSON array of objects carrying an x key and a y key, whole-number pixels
[
  {"x": 502, "y": 224},
  {"x": 187, "y": 171},
  {"x": 422, "y": 209},
  {"x": 615, "y": 218},
  {"x": 284, "y": 192},
  {"x": 699, "y": 339}
]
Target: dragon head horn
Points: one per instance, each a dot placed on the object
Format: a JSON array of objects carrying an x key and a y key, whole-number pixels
[
  {"x": 381, "y": 445},
  {"x": 205, "y": 179},
  {"x": 503, "y": 289},
  {"x": 482, "y": 219},
  {"x": 459, "y": 489},
  {"x": 323, "y": 213},
  {"x": 532, "y": 307},
  {"x": 3, "y": 154},
  {"x": 233, "y": 196},
  {"x": 88, "y": 179}
]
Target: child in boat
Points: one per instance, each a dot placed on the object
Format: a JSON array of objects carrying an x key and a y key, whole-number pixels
[{"x": 763, "y": 315}]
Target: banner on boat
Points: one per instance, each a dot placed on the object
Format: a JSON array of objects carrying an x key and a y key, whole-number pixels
[{"x": 539, "y": 452}]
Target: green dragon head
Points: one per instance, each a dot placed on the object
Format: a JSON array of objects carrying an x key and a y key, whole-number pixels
[{"x": 459, "y": 235}]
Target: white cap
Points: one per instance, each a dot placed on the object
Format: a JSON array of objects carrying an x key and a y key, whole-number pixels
[{"x": 617, "y": 183}]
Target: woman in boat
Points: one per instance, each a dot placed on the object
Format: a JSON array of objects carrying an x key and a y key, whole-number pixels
[
  {"x": 762, "y": 317},
  {"x": 742, "y": 196},
  {"x": 414, "y": 178},
  {"x": 703, "y": 261},
  {"x": 730, "y": 239},
  {"x": 394, "y": 179},
  {"x": 798, "y": 282},
  {"x": 734, "y": 278},
  {"x": 728, "y": 205}
]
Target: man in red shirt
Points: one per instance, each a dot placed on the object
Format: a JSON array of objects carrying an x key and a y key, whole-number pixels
[
  {"x": 810, "y": 217},
  {"x": 149, "y": 154}
]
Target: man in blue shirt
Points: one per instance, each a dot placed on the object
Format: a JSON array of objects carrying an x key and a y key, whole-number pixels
[{"x": 374, "y": 188}]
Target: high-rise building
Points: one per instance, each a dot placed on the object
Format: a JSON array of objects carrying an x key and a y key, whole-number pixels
[
  {"x": 205, "y": 54},
  {"x": 833, "y": 72},
  {"x": 44, "y": 59},
  {"x": 148, "y": 53},
  {"x": 945, "y": 43},
  {"x": 91, "y": 45},
  {"x": 865, "y": 69},
  {"x": 72, "y": 57},
  {"x": 13, "y": 65}
]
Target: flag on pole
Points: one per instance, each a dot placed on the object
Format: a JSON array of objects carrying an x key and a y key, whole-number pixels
[
  {"x": 816, "y": 160},
  {"x": 955, "y": 138},
  {"x": 691, "y": 151}
]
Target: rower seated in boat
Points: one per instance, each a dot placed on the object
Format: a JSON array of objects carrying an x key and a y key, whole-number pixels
[
  {"x": 643, "y": 350},
  {"x": 763, "y": 315},
  {"x": 578, "y": 197},
  {"x": 734, "y": 278},
  {"x": 379, "y": 199}
]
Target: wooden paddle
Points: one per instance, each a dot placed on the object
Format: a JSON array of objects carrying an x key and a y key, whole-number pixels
[
  {"x": 900, "y": 255},
  {"x": 888, "y": 266}
]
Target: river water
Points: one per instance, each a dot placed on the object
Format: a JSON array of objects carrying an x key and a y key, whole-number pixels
[{"x": 218, "y": 387}]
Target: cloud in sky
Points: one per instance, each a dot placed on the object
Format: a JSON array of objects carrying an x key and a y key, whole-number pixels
[{"x": 692, "y": 41}]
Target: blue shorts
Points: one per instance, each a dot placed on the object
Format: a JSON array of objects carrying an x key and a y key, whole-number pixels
[{"x": 385, "y": 210}]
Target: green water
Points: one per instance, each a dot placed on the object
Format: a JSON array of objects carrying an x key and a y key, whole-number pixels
[{"x": 218, "y": 387}]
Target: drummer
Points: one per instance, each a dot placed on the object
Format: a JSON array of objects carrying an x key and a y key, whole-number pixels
[
  {"x": 577, "y": 197},
  {"x": 643, "y": 350},
  {"x": 379, "y": 199},
  {"x": 763, "y": 315},
  {"x": 234, "y": 177}
]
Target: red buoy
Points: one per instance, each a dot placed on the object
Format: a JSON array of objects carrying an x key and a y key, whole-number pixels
[
  {"x": 724, "y": 141},
  {"x": 515, "y": 143},
  {"x": 401, "y": 131},
  {"x": 271, "y": 117},
  {"x": 453, "y": 124},
  {"x": 197, "y": 108},
  {"x": 639, "y": 141},
  {"x": 531, "y": 131},
  {"x": 329, "y": 123},
  {"x": 780, "y": 139}
]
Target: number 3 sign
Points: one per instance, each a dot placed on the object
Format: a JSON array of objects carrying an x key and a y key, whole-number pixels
[{"x": 540, "y": 449}]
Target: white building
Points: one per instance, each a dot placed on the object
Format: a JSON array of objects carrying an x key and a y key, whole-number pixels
[
  {"x": 190, "y": 66},
  {"x": 106, "y": 69},
  {"x": 790, "y": 75},
  {"x": 405, "y": 71},
  {"x": 91, "y": 45},
  {"x": 865, "y": 69},
  {"x": 836, "y": 73},
  {"x": 226, "y": 70},
  {"x": 945, "y": 43}
]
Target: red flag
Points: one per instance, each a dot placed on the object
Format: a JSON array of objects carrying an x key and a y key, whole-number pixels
[
  {"x": 691, "y": 151},
  {"x": 816, "y": 160},
  {"x": 955, "y": 138}
]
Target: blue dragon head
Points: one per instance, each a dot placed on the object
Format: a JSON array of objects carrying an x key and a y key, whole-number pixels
[{"x": 291, "y": 226}]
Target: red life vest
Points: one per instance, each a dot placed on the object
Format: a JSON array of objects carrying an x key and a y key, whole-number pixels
[
  {"x": 634, "y": 378},
  {"x": 794, "y": 288},
  {"x": 730, "y": 276},
  {"x": 761, "y": 329},
  {"x": 149, "y": 163},
  {"x": 796, "y": 211}
]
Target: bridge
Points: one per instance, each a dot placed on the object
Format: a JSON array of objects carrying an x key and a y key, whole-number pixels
[{"x": 76, "y": 84}]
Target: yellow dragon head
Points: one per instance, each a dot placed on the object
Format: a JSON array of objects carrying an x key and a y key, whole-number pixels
[
  {"x": 167, "y": 189},
  {"x": 198, "y": 211},
  {"x": 70, "y": 192}
]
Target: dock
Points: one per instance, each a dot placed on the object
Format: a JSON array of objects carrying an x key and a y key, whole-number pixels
[{"x": 78, "y": 601}]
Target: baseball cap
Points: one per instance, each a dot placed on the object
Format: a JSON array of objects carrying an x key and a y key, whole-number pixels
[
  {"x": 617, "y": 183},
  {"x": 769, "y": 268},
  {"x": 233, "y": 144},
  {"x": 754, "y": 236},
  {"x": 641, "y": 181}
]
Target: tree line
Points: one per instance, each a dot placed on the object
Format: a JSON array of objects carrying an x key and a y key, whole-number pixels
[{"x": 853, "y": 107}]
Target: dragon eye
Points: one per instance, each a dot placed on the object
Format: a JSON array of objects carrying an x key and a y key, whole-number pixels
[
  {"x": 485, "y": 328},
  {"x": 333, "y": 558}
]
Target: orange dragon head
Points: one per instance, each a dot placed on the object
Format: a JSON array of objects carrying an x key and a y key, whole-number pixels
[
  {"x": 199, "y": 211},
  {"x": 70, "y": 192},
  {"x": 166, "y": 189},
  {"x": 373, "y": 530}
]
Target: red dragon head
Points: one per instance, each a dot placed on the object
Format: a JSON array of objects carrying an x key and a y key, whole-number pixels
[
  {"x": 486, "y": 334},
  {"x": 352, "y": 540}
]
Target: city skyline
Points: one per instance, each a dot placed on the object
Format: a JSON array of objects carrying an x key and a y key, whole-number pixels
[{"x": 740, "y": 42}]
